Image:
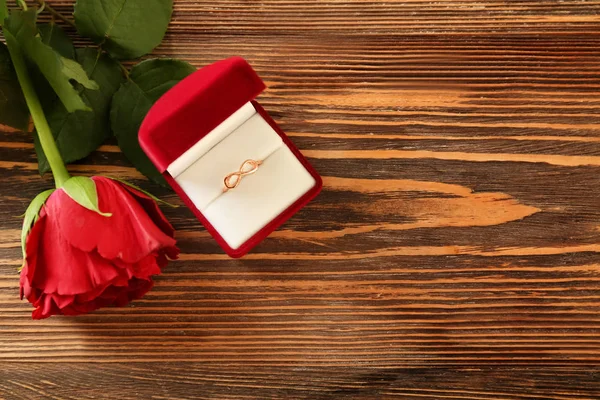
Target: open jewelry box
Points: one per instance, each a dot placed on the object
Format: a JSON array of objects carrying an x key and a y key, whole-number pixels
[{"x": 225, "y": 156}]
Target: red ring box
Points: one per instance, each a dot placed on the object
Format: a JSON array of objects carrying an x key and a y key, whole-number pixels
[{"x": 207, "y": 126}]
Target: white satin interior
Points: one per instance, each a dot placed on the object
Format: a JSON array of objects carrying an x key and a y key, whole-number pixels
[
  {"x": 241, "y": 212},
  {"x": 211, "y": 139}
]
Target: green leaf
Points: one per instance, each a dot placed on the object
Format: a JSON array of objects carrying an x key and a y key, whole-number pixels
[
  {"x": 32, "y": 214},
  {"x": 75, "y": 71},
  {"x": 13, "y": 109},
  {"x": 79, "y": 133},
  {"x": 55, "y": 37},
  {"x": 125, "y": 28},
  {"x": 139, "y": 189},
  {"x": 83, "y": 190},
  {"x": 148, "y": 81},
  {"x": 58, "y": 70},
  {"x": 3, "y": 11}
]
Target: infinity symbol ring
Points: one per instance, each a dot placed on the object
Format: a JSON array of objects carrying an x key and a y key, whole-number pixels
[{"x": 248, "y": 167}]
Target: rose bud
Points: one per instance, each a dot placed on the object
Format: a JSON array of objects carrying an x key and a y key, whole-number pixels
[{"x": 78, "y": 259}]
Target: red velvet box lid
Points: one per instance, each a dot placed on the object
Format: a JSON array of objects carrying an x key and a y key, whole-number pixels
[{"x": 195, "y": 106}]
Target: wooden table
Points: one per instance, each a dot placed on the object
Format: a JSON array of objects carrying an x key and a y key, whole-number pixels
[{"x": 453, "y": 254}]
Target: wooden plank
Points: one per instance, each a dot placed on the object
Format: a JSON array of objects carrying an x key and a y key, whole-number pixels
[
  {"x": 454, "y": 252},
  {"x": 194, "y": 381}
]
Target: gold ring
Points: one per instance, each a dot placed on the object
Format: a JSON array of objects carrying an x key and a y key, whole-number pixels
[{"x": 248, "y": 167}]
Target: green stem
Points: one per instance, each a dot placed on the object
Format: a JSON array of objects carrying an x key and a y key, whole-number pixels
[
  {"x": 37, "y": 114},
  {"x": 124, "y": 69},
  {"x": 56, "y": 14}
]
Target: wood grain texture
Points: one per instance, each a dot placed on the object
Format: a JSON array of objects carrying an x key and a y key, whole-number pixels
[{"x": 453, "y": 254}]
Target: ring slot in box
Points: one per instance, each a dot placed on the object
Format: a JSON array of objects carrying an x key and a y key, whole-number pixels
[{"x": 204, "y": 129}]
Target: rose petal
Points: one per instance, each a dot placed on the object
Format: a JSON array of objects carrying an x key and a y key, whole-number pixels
[
  {"x": 144, "y": 268},
  {"x": 67, "y": 270},
  {"x": 118, "y": 294},
  {"x": 151, "y": 208},
  {"x": 62, "y": 301},
  {"x": 46, "y": 309},
  {"x": 137, "y": 288},
  {"x": 129, "y": 234},
  {"x": 78, "y": 309},
  {"x": 32, "y": 244}
]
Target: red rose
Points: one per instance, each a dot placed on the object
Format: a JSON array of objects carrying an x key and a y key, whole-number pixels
[{"x": 77, "y": 260}]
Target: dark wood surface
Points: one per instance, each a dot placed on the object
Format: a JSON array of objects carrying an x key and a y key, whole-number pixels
[{"x": 453, "y": 254}]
